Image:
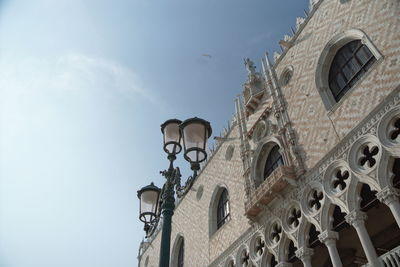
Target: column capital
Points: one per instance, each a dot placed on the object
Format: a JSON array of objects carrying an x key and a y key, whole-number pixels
[
  {"x": 388, "y": 195},
  {"x": 328, "y": 236},
  {"x": 304, "y": 252},
  {"x": 356, "y": 218}
]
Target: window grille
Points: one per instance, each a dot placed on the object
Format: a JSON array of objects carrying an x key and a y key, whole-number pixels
[
  {"x": 223, "y": 211},
  {"x": 274, "y": 160},
  {"x": 350, "y": 63}
]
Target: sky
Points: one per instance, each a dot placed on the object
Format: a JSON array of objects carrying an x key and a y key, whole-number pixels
[{"x": 84, "y": 87}]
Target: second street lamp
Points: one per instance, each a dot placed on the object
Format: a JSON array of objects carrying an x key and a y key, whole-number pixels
[{"x": 193, "y": 133}]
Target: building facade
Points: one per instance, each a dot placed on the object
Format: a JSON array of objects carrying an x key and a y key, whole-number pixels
[{"x": 308, "y": 171}]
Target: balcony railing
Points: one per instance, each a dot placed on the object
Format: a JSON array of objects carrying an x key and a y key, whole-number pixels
[
  {"x": 391, "y": 258},
  {"x": 266, "y": 191}
]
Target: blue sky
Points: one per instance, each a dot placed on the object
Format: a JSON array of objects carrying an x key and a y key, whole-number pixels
[{"x": 84, "y": 87}]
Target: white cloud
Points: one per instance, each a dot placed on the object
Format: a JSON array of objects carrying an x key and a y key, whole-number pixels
[{"x": 70, "y": 73}]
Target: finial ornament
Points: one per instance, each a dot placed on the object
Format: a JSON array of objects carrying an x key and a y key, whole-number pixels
[{"x": 251, "y": 69}]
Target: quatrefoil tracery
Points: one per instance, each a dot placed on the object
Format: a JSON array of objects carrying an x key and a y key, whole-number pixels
[
  {"x": 276, "y": 232},
  {"x": 294, "y": 217},
  {"x": 245, "y": 258},
  {"x": 339, "y": 181},
  {"x": 315, "y": 201},
  {"x": 259, "y": 246},
  {"x": 369, "y": 156}
]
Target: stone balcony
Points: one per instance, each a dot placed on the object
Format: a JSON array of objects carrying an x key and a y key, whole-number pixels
[{"x": 266, "y": 191}]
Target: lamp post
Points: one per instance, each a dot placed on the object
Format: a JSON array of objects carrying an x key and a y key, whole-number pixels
[{"x": 193, "y": 134}]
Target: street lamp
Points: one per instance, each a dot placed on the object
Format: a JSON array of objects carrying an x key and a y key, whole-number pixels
[
  {"x": 193, "y": 134},
  {"x": 149, "y": 205}
]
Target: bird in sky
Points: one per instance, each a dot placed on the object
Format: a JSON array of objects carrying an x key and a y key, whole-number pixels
[{"x": 206, "y": 55}]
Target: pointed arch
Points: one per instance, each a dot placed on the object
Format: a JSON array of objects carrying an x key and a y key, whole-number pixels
[
  {"x": 178, "y": 251},
  {"x": 261, "y": 155},
  {"x": 219, "y": 212}
]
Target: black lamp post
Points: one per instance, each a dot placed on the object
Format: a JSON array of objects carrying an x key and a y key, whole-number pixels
[{"x": 193, "y": 133}]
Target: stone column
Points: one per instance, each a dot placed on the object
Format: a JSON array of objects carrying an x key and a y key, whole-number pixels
[
  {"x": 389, "y": 196},
  {"x": 329, "y": 239},
  {"x": 284, "y": 264},
  {"x": 357, "y": 219},
  {"x": 305, "y": 254}
]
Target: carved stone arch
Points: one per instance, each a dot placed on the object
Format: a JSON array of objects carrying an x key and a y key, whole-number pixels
[
  {"x": 230, "y": 262},
  {"x": 291, "y": 219},
  {"x": 261, "y": 154},
  {"x": 283, "y": 251},
  {"x": 242, "y": 252},
  {"x": 385, "y": 170},
  {"x": 257, "y": 246},
  {"x": 268, "y": 237},
  {"x": 340, "y": 185},
  {"x": 327, "y": 55},
  {"x": 303, "y": 233},
  {"x": 175, "y": 249},
  {"x": 366, "y": 150},
  {"x": 212, "y": 210},
  {"x": 315, "y": 206},
  {"x": 389, "y": 131},
  {"x": 267, "y": 257}
]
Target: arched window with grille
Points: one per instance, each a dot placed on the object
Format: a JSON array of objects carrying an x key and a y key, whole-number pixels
[
  {"x": 181, "y": 253},
  {"x": 350, "y": 63},
  {"x": 274, "y": 160},
  {"x": 223, "y": 211}
]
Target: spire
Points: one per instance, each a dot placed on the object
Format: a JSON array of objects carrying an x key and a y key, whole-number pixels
[{"x": 271, "y": 71}]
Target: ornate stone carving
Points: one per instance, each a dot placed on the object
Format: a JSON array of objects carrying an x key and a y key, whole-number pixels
[
  {"x": 388, "y": 195},
  {"x": 304, "y": 252},
  {"x": 328, "y": 235},
  {"x": 356, "y": 217}
]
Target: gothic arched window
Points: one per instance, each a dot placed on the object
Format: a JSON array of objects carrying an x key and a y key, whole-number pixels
[
  {"x": 223, "y": 209},
  {"x": 348, "y": 66},
  {"x": 274, "y": 160},
  {"x": 181, "y": 253}
]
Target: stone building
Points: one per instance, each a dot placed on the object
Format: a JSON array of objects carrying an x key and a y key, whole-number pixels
[{"x": 308, "y": 171}]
